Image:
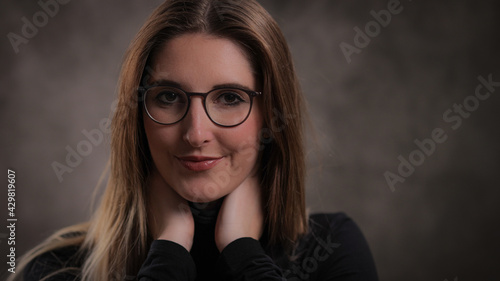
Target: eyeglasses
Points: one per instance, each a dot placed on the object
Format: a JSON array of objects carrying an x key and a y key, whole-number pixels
[{"x": 226, "y": 107}]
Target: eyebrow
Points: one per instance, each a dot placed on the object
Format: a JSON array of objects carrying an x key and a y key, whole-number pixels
[{"x": 165, "y": 82}]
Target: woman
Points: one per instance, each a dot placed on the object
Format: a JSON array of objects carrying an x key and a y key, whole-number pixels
[{"x": 207, "y": 164}]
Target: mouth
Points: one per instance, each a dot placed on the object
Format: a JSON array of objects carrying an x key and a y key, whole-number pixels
[{"x": 199, "y": 163}]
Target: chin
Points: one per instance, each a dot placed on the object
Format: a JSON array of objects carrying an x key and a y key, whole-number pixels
[
  {"x": 205, "y": 195},
  {"x": 205, "y": 200}
]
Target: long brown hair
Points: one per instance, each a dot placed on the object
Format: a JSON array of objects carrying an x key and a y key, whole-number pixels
[{"x": 116, "y": 240}]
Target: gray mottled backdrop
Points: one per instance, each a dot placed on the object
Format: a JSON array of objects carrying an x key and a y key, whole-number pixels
[{"x": 409, "y": 79}]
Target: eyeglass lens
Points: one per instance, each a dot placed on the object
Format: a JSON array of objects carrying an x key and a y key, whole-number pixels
[{"x": 226, "y": 107}]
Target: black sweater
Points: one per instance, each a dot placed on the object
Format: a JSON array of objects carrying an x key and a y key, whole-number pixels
[{"x": 333, "y": 249}]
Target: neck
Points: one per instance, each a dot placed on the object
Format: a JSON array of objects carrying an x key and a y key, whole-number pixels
[{"x": 206, "y": 212}]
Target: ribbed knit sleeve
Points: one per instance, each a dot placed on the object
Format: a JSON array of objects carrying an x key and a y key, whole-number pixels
[
  {"x": 167, "y": 260},
  {"x": 244, "y": 259}
]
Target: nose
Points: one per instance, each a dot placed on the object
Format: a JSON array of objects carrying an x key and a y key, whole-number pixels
[{"x": 197, "y": 127}]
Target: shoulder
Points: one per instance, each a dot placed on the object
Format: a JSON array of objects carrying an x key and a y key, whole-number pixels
[
  {"x": 334, "y": 231},
  {"x": 62, "y": 264},
  {"x": 334, "y": 247},
  {"x": 336, "y": 226},
  {"x": 330, "y": 222}
]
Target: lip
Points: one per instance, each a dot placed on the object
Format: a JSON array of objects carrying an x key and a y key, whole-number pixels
[{"x": 199, "y": 163}]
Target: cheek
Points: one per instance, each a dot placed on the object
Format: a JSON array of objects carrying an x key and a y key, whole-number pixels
[
  {"x": 160, "y": 138},
  {"x": 244, "y": 142}
]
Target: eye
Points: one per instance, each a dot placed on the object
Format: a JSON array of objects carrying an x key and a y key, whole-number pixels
[
  {"x": 229, "y": 97},
  {"x": 168, "y": 97}
]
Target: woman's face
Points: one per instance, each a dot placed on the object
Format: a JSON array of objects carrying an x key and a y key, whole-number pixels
[{"x": 200, "y": 160}]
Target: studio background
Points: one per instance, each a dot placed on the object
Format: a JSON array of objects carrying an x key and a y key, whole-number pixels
[{"x": 440, "y": 223}]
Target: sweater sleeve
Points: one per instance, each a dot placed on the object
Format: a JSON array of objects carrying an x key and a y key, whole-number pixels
[
  {"x": 167, "y": 260},
  {"x": 244, "y": 259}
]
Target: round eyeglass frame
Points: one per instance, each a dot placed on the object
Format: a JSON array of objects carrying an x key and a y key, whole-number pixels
[{"x": 144, "y": 90}]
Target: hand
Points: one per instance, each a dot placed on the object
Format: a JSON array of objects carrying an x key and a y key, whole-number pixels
[
  {"x": 169, "y": 216},
  {"x": 241, "y": 214}
]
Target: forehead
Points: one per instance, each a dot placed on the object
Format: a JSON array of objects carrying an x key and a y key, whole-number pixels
[{"x": 199, "y": 61}]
